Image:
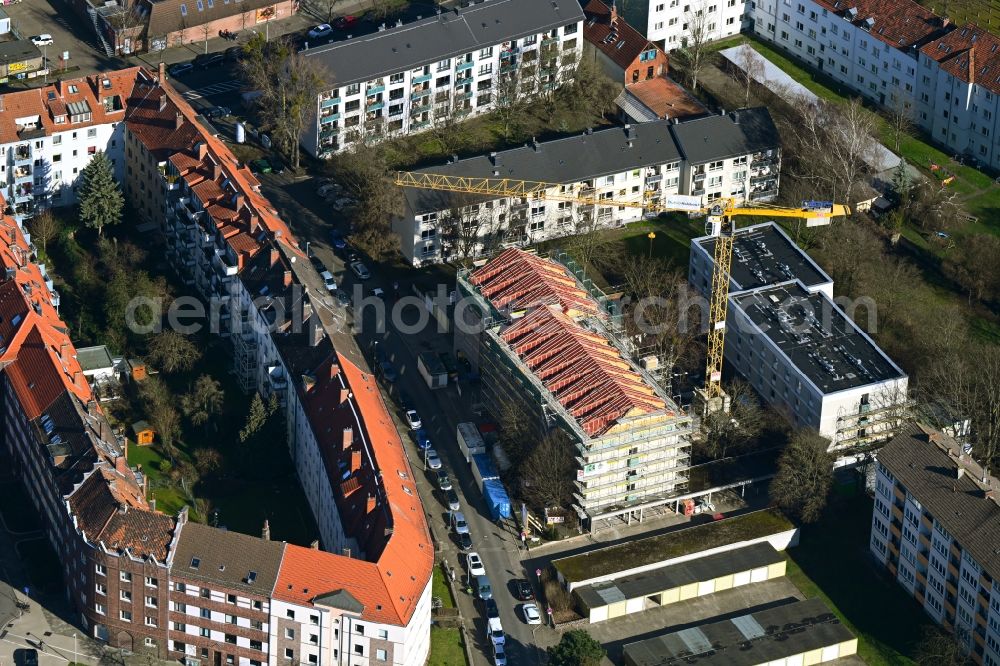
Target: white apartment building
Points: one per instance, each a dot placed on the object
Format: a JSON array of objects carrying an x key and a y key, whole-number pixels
[
  {"x": 404, "y": 78},
  {"x": 736, "y": 154},
  {"x": 672, "y": 22},
  {"x": 48, "y": 136},
  {"x": 798, "y": 349},
  {"x": 935, "y": 527}
]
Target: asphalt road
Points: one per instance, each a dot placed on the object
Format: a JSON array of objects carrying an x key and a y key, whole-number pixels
[{"x": 440, "y": 410}]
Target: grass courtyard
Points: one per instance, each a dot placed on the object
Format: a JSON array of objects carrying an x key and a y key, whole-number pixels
[{"x": 832, "y": 562}]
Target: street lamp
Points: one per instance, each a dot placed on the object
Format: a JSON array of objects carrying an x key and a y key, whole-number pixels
[
  {"x": 75, "y": 659},
  {"x": 651, "y": 236}
]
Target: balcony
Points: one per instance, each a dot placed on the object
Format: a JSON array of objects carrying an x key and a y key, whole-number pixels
[
  {"x": 22, "y": 173},
  {"x": 442, "y": 97},
  {"x": 422, "y": 78},
  {"x": 462, "y": 66},
  {"x": 420, "y": 124},
  {"x": 463, "y": 95},
  {"x": 329, "y": 118},
  {"x": 276, "y": 378},
  {"x": 549, "y": 40},
  {"x": 508, "y": 66},
  {"x": 375, "y": 89},
  {"x": 698, "y": 192},
  {"x": 698, "y": 177},
  {"x": 374, "y": 106},
  {"x": 328, "y": 132},
  {"x": 222, "y": 265},
  {"x": 327, "y": 103},
  {"x": 654, "y": 180},
  {"x": 420, "y": 94}
]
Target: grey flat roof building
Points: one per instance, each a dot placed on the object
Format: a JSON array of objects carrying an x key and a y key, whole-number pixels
[
  {"x": 757, "y": 638},
  {"x": 719, "y": 137},
  {"x": 764, "y": 255},
  {"x": 698, "y": 570},
  {"x": 441, "y": 36},
  {"x": 816, "y": 336}
]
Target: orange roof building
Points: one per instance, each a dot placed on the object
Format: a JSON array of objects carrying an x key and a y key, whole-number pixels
[{"x": 550, "y": 349}]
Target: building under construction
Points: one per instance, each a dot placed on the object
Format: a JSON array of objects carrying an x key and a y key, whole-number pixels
[{"x": 549, "y": 345}]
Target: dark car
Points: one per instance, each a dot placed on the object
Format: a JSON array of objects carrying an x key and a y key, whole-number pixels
[
  {"x": 337, "y": 239},
  {"x": 218, "y": 112},
  {"x": 234, "y": 53},
  {"x": 388, "y": 371},
  {"x": 345, "y": 22},
  {"x": 404, "y": 400},
  {"x": 317, "y": 263},
  {"x": 180, "y": 68},
  {"x": 29, "y": 657},
  {"x": 490, "y": 607},
  {"x": 522, "y": 590},
  {"x": 465, "y": 541},
  {"x": 206, "y": 60},
  {"x": 451, "y": 497},
  {"x": 343, "y": 298}
]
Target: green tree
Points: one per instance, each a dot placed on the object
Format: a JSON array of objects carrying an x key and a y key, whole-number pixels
[
  {"x": 173, "y": 352},
  {"x": 101, "y": 200},
  {"x": 204, "y": 400},
  {"x": 256, "y": 419},
  {"x": 576, "y": 648},
  {"x": 804, "y": 477}
]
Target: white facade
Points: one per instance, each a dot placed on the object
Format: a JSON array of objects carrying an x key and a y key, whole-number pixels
[
  {"x": 935, "y": 568},
  {"x": 328, "y": 636},
  {"x": 672, "y": 22},
  {"x": 45, "y": 170},
  {"x": 412, "y": 100}
]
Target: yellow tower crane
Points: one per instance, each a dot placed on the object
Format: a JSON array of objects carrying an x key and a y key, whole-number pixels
[{"x": 720, "y": 214}]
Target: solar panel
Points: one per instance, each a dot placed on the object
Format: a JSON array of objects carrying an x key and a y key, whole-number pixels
[
  {"x": 610, "y": 595},
  {"x": 695, "y": 640},
  {"x": 749, "y": 627}
]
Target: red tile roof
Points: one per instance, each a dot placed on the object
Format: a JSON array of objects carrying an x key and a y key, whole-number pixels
[
  {"x": 38, "y": 108},
  {"x": 970, "y": 54},
  {"x": 585, "y": 373},
  {"x": 612, "y": 35},
  {"x": 165, "y": 123},
  {"x": 898, "y": 23},
  {"x": 516, "y": 280},
  {"x": 379, "y": 504}
]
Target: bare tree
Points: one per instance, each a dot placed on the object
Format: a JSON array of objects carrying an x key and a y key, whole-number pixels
[
  {"x": 508, "y": 100},
  {"x": 365, "y": 174},
  {"x": 206, "y": 31},
  {"x": 462, "y": 225},
  {"x": 940, "y": 648},
  {"x": 804, "y": 477},
  {"x": 325, "y": 10},
  {"x": 728, "y": 433},
  {"x": 44, "y": 227},
  {"x": 694, "y": 47},
  {"x": 751, "y": 66},
  {"x": 549, "y": 470},
  {"x": 289, "y": 84},
  {"x": 126, "y": 19},
  {"x": 899, "y": 116}
]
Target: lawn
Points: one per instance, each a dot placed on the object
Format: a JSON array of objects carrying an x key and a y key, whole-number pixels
[
  {"x": 447, "y": 647},
  {"x": 832, "y": 562},
  {"x": 440, "y": 589}
]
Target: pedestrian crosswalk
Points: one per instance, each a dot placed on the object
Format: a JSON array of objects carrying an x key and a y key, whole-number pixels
[{"x": 214, "y": 89}]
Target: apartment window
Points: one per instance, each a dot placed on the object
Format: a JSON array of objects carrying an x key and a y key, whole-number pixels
[
  {"x": 206, "y": 613},
  {"x": 659, "y": 24},
  {"x": 179, "y": 607},
  {"x": 784, "y": 35},
  {"x": 125, "y": 616},
  {"x": 359, "y": 650},
  {"x": 180, "y": 626},
  {"x": 290, "y": 634},
  {"x": 313, "y": 659},
  {"x": 397, "y": 78},
  {"x": 715, "y": 166},
  {"x": 314, "y": 619},
  {"x": 125, "y": 576},
  {"x": 204, "y": 632},
  {"x": 289, "y": 654},
  {"x": 180, "y": 587},
  {"x": 125, "y": 595},
  {"x": 230, "y": 638},
  {"x": 486, "y": 68},
  {"x": 150, "y": 621},
  {"x": 99, "y": 608},
  {"x": 314, "y": 639},
  {"x": 383, "y": 634},
  {"x": 486, "y": 53},
  {"x": 205, "y": 593},
  {"x": 231, "y": 619},
  {"x": 381, "y": 655},
  {"x": 151, "y": 602},
  {"x": 353, "y": 89},
  {"x": 257, "y": 605},
  {"x": 150, "y": 581}
]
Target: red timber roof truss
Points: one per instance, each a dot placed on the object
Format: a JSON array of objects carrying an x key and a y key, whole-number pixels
[
  {"x": 581, "y": 369},
  {"x": 517, "y": 279}
]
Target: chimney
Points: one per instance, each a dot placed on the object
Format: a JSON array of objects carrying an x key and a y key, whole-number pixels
[
  {"x": 959, "y": 472},
  {"x": 347, "y": 438},
  {"x": 355, "y": 461},
  {"x": 371, "y": 504},
  {"x": 345, "y": 394},
  {"x": 346, "y": 552},
  {"x": 315, "y": 329},
  {"x": 275, "y": 255},
  {"x": 493, "y": 158},
  {"x": 254, "y": 224},
  {"x": 238, "y": 200},
  {"x": 163, "y": 101},
  {"x": 121, "y": 464},
  {"x": 162, "y": 71},
  {"x": 216, "y": 171},
  {"x": 334, "y": 370},
  {"x": 535, "y": 145},
  {"x": 614, "y": 15},
  {"x": 265, "y": 533},
  {"x": 202, "y": 148},
  {"x": 315, "y": 544},
  {"x": 178, "y": 121},
  {"x": 287, "y": 279}
]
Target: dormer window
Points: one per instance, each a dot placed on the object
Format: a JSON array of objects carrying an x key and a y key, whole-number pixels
[{"x": 73, "y": 89}]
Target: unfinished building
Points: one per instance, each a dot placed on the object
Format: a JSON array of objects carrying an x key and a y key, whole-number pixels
[{"x": 550, "y": 347}]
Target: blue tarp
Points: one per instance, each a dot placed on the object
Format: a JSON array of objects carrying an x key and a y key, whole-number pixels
[
  {"x": 496, "y": 498},
  {"x": 485, "y": 466}
]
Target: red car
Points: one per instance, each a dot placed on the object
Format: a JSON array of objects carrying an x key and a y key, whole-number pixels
[{"x": 345, "y": 22}]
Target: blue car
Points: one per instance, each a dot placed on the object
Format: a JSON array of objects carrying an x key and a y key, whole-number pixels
[
  {"x": 338, "y": 240},
  {"x": 422, "y": 441}
]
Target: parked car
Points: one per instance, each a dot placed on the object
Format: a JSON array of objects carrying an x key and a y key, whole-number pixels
[
  {"x": 44, "y": 39},
  {"x": 180, "y": 68},
  {"x": 218, "y": 112},
  {"x": 360, "y": 270},
  {"x": 494, "y": 631},
  {"x": 261, "y": 166},
  {"x": 328, "y": 281},
  {"x": 423, "y": 441},
  {"x": 491, "y": 609},
  {"x": 465, "y": 542},
  {"x": 337, "y": 240},
  {"x": 433, "y": 461},
  {"x": 451, "y": 497},
  {"x": 458, "y": 523},
  {"x": 29, "y": 657},
  {"x": 531, "y": 614},
  {"x": 345, "y": 22},
  {"x": 317, "y": 263},
  {"x": 328, "y": 188},
  {"x": 523, "y": 590},
  {"x": 233, "y": 53},
  {"x": 444, "y": 481},
  {"x": 339, "y": 203},
  {"x": 483, "y": 588},
  {"x": 390, "y": 375},
  {"x": 321, "y": 31},
  {"x": 475, "y": 564},
  {"x": 499, "y": 657},
  {"x": 413, "y": 419},
  {"x": 343, "y": 298},
  {"x": 206, "y": 60},
  {"x": 404, "y": 400}
]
